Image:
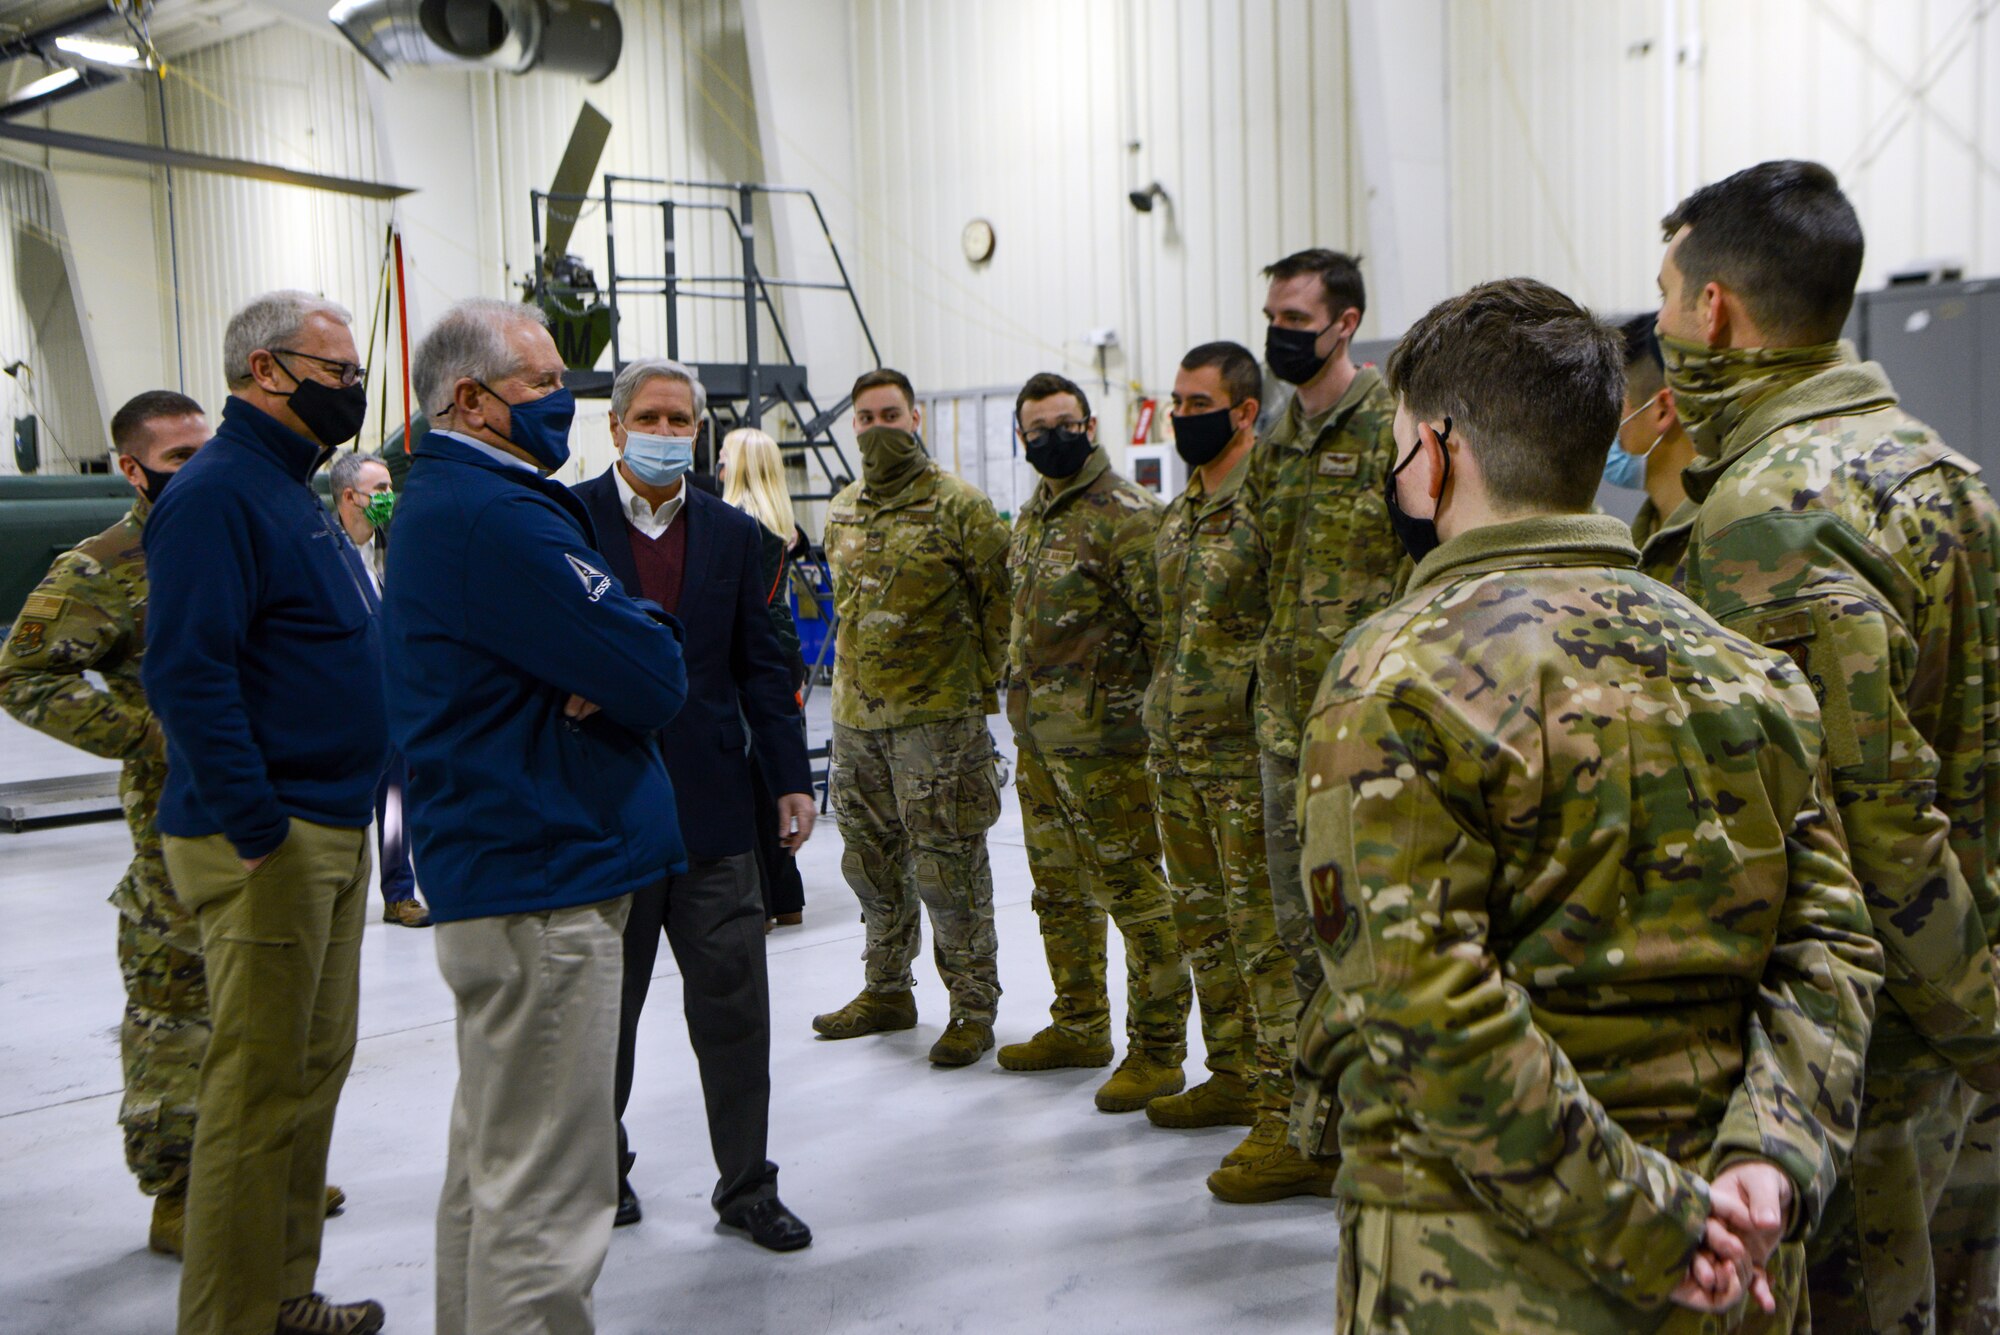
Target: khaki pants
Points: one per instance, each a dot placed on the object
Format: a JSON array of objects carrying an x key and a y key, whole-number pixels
[
  {"x": 531, "y": 1177},
  {"x": 282, "y": 946}
]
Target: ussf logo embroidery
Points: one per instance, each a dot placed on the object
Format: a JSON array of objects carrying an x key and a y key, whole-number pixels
[{"x": 595, "y": 582}]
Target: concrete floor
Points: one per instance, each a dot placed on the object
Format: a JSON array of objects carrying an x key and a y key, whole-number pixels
[{"x": 974, "y": 1200}]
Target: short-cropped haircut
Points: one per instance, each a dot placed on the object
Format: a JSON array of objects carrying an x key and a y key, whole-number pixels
[
  {"x": 131, "y": 425},
  {"x": 1783, "y": 238},
  {"x": 1533, "y": 383},
  {"x": 1241, "y": 376},
  {"x": 1046, "y": 385}
]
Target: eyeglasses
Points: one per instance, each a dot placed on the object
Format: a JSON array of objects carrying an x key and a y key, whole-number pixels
[
  {"x": 1069, "y": 426},
  {"x": 348, "y": 373}
]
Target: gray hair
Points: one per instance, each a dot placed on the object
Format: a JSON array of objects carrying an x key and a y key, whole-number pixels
[
  {"x": 468, "y": 343},
  {"x": 346, "y": 469},
  {"x": 271, "y": 321},
  {"x": 636, "y": 374}
]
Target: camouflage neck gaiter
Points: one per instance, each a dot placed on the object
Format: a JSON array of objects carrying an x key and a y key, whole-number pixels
[
  {"x": 1715, "y": 388},
  {"x": 890, "y": 459}
]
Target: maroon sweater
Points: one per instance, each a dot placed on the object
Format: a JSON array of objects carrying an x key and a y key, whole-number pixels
[{"x": 662, "y": 561}]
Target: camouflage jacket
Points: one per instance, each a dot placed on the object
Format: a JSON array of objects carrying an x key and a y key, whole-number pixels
[
  {"x": 1588, "y": 926},
  {"x": 89, "y": 615},
  {"x": 1646, "y": 523},
  {"x": 1317, "y": 502},
  {"x": 920, "y": 587},
  {"x": 1840, "y": 530},
  {"x": 1211, "y": 564},
  {"x": 1086, "y": 613},
  {"x": 1662, "y": 542}
]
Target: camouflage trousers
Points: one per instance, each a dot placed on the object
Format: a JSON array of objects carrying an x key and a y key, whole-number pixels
[
  {"x": 1094, "y": 850},
  {"x": 1965, "y": 1228},
  {"x": 1288, "y": 892},
  {"x": 914, "y": 805},
  {"x": 1877, "y": 1261},
  {"x": 1408, "y": 1272},
  {"x": 1212, "y": 830},
  {"x": 161, "y": 1042}
]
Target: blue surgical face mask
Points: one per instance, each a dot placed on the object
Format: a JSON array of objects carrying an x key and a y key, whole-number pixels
[
  {"x": 659, "y": 461},
  {"x": 1623, "y": 468},
  {"x": 540, "y": 427}
]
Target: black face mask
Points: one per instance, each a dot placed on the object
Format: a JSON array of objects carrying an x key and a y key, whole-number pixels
[
  {"x": 156, "y": 482},
  {"x": 1418, "y": 536},
  {"x": 1199, "y": 437},
  {"x": 332, "y": 414},
  {"x": 1057, "y": 454},
  {"x": 1292, "y": 354}
]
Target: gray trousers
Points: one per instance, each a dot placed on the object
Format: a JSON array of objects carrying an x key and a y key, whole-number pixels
[
  {"x": 712, "y": 915},
  {"x": 529, "y": 1184}
]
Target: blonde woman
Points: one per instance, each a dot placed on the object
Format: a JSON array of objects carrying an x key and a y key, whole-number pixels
[
  {"x": 752, "y": 472},
  {"x": 753, "y": 480}
]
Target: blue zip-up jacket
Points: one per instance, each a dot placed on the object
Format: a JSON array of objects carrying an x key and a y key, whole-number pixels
[
  {"x": 498, "y": 609},
  {"x": 263, "y": 644}
]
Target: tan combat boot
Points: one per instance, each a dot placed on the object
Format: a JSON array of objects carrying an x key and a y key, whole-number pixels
[
  {"x": 1269, "y": 1133},
  {"x": 1282, "y": 1172},
  {"x": 336, "y": 1200},
  {"x": 962, "y": 1044},
  {"x": 869, "y": 1013},
  {"x": 1139, "y": 1080},
  {"x": 169, "y": 1223},
  {"x": 1220, "y": 1100},
  {"x": 314, "y": 1315},
  {"x": 1051, "y": 1050}
]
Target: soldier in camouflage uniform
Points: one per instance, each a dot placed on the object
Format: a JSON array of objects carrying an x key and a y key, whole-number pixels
[
  {"x": 1651, "y": 441},
  {"x": 920, "y": 590},
  {"x": 1315, "y": 493},
  {"x": 1560, "y": 992},
  {"x": 89, "y": 615},
  {"x": 1203, "y": 756},
  {"x": 1836, "y": 528},
  {"x": 1086, "y": 628}
]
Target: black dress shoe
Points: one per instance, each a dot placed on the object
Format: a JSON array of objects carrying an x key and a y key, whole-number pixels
[
  {"x": 628, "y": 1206},
  {"x": 771, "y": 1225}
]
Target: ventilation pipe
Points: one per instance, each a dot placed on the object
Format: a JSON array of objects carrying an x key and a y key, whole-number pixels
[{"x": 581, "y": 37}]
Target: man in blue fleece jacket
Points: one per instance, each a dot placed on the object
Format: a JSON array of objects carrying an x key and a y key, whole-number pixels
[
  {"x": 264, "y": 666},
  {"x": 526, "y": 689}
]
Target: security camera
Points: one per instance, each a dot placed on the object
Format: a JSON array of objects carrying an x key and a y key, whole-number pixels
[
  {"x": 1102, "y": 338},
  {"x": 1142, "y": 200}
]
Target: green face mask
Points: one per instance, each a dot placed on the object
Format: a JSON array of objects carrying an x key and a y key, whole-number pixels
[
  {"x": 890, "y": 459},
  {"x": 1715, "y": 388},
  {"x": 378, "y": 508}
]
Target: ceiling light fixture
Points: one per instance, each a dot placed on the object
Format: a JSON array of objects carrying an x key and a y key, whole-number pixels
[
  {"x": 42, "y": 87},
  {"x": 100, "y": 50}
]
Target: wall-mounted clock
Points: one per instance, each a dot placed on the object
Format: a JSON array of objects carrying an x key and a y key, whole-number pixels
[{"x": 977, "y": 241}]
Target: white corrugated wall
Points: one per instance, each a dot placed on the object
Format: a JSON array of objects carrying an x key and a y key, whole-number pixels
[
  {"x": 1021, "y": 113},
  {"x": 1559, "y": 137},
  {"x": 285, "y": 97}
]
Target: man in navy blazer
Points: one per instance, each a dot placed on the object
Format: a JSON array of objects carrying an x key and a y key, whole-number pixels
[{"x": 700, "y": 559}]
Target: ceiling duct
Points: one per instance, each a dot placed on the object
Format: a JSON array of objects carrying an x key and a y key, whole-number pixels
[{"x": 580, "y": 37}]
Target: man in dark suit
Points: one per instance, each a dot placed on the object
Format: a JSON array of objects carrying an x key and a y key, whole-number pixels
[{"x": 699, "y": 558}]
